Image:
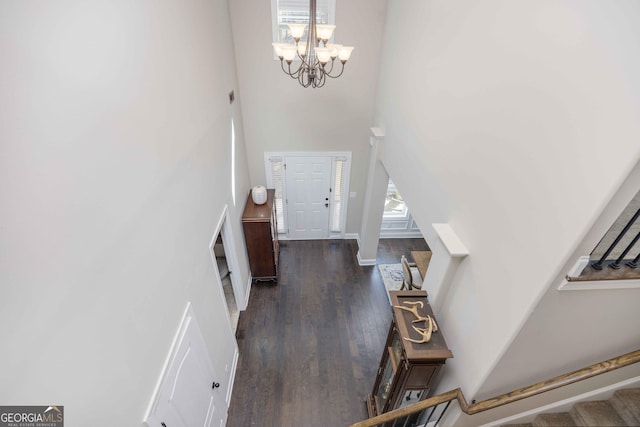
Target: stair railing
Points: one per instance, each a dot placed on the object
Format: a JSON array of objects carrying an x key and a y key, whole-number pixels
[
  {"x": 399, "y": 416},
  {"x": 616, "y": 264}
]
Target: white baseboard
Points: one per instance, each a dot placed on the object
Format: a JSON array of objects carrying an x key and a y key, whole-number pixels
[
  {"x": 247, "y": 293},
  {"x": 364, "y": 262},
  {"x": 401, "y": 235},
  {"x": 346, "y": 236}
]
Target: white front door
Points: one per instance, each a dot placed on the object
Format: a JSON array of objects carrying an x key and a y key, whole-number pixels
[
  {"x": 190, "y": 395},
  {"x": 308, "y": 190}
]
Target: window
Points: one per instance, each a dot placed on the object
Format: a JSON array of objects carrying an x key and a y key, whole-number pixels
[
  {"x": 233, "y": 162},
  {"x": 394, "y": 206},
  {"x": 337, "y": 212},
  {"x": 397, "y": 221},
  {"x": 285, "y": 12}
]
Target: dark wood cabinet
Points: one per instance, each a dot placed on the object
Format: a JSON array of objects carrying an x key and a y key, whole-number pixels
[
  {"x": 261, "y": 237},
  {"x": 407, "y": 369}
]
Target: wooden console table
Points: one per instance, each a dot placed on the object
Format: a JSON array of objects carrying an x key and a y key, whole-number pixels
[{"x": 422, "y": 259}]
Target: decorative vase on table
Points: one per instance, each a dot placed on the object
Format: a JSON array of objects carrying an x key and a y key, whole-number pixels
[{"x": 259, "y": 195}]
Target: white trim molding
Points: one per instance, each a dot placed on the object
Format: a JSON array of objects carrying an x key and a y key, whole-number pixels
[
  {"x": 364, "y": 262},
  {"x": 224, "y": 229},
  {"x": 248, "y": 293},
  {"x": 451, "y": 241},
  {"x": 598, "y": 285},
  {"x": 377, "y": 135},
  {"x": 587, "y": 285},
  {"x": 232, "y": 380},
  {"x": 336, "y": 156}
]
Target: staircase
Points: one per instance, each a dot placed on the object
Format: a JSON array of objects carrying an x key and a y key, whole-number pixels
[{"x": 622, "y": 409}]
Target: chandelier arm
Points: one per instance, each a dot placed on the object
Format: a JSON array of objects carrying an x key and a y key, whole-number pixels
[
  {"x": 328, "y": 71},
  {"x": 341, "y": 71},
  {"x": 322, "y": 80},
  {"x": 300, "y": 68},
  {"x": 302, "y": 74},
  {"x": 318, "y": 76},
  {"x": 284, "y": 69},
  {"x": 293, "y": 74},
  {"x": 304, "y": 82}
]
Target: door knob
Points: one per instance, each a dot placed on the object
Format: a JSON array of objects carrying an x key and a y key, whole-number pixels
[{"x": 326, "y": 205}]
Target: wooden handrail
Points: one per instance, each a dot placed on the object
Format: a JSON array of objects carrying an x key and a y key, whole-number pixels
[{"x": 503, "y": 399}]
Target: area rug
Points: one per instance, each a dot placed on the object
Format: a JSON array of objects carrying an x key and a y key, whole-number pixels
[{"x": 391, "y": 276}]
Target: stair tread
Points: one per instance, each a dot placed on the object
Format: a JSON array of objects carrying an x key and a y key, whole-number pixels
[
  {"x": 556, "y": 419},
  {"x": 622, "y": 409},
  {"x": 627, "y": 403},
  {"x": 596, "y": 413}
]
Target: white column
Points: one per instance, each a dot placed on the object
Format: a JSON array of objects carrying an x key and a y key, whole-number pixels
[{"x": 374, "y": 196}]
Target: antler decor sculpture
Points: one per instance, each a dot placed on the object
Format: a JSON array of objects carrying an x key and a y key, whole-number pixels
[
  {"x": 430, "y": 326},
  {"x": 413, "y": 309}
]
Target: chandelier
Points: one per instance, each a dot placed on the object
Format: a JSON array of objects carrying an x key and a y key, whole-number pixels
[{"x": 316, "y": 60}]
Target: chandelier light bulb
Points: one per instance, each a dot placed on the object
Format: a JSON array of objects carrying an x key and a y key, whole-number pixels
[
  {"x": 316, "y": 55},
  {"x": 323, "y": 32},
  {"x": 334, "y": 49},
  {"x": 297, "y": 31},
  {"x": 289, "y": 52},
  {"x": 302, "y": 49},
  {"x": 323, "y": 54},
  {"x": 277, "y": 47},
  {"x": 344, "y": 53}
]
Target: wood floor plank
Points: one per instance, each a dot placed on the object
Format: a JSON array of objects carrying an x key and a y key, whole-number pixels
[{"x": 310, "y": 345}]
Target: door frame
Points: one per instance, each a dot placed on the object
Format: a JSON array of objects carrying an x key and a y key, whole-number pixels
[
  {"x": 224, "y": 228},
  {"x": 335, "y": 155}
]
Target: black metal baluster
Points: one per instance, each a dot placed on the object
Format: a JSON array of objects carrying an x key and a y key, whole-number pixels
[
  {"x": 634, "y": 262},
  {"x": 442, "y": 413},
  {"x": 412, "y": 419},
  {"x": 433, "y": 409},
  {"x": 598, "y": 265},
  {"x": 616, "y": 264}
]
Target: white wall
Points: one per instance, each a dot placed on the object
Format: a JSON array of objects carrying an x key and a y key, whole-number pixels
[
  {"x": 599, "y": 323},
  {"x": 281, "y": 115},
  {"x": 114, "y": 169},
  {"x": 514, "y": 122}
]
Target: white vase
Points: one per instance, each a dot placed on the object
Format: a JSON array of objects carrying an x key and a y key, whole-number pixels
[{"x": 259, "y": 194}]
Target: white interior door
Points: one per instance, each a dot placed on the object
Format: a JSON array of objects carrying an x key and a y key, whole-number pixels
[
  {"x": 308, "y": 181},
  {"x": 189, "y": 396}
]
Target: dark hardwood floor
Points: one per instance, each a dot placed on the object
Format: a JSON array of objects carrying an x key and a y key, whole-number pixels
[{"x": 310, "y": 345}]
